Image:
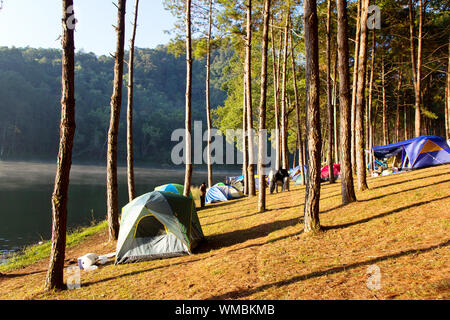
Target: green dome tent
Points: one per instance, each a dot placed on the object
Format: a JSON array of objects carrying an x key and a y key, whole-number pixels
[
  {"x": 174, "y": 188},
  {"x": 158, "y": 225}
]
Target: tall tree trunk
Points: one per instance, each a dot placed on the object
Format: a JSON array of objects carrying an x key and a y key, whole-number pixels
[
  {"x": 188, "y": 117},
  {"x": 113, "y": 132},
  {"x": 329, "y": 102},
  {"x": 312, "y": 197},
  {"x": 55, "y": 273},
  {"x": 416, "y": 62},
  {"x": 447, "y": 132},
  {"x": 347, "y": 188},
  {"x": 383, "y": 89},
  {"x": 275, "y": 95},
  {"x": 366, "y": 116},
  {"x": 405, "y": 120},
  {"x": 335, "y": 111},
  {"x": 208, "y": 100},
  {"x": 369, "y": 106},
  {"x": 446, "y": 110},
  {"x": 130, "y": 154},
  {"x": 419, "y": 72},
  {"x": 284, "y": 145},
  {"x": 248, "y": 72},
  {"x": 297, "y": 112},
  {"x": 244, "y": 136},
  {"x": 262, "y": 112},
  {"x": 397, "y": 113},
  {"x": 355, "y": 85},
  {"x": 361, "y": 100}
]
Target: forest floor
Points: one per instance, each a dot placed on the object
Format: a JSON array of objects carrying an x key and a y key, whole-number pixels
[{"x": 399, "y": 227}]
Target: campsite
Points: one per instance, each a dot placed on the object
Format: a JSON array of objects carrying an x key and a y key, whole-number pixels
[
  {"x": 211, "y": 150},
  {"x": 400, "y": 225}
]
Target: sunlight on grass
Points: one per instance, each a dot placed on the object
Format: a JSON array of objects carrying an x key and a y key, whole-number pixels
[
  {"x": 400, "y": 225},
  {"x": 33, "y": 253}
]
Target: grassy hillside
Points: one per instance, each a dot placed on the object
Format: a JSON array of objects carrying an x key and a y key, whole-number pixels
[{"x": 401, "y": 225}]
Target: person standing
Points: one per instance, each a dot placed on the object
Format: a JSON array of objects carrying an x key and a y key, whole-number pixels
[{"x": 202, "y": 194}]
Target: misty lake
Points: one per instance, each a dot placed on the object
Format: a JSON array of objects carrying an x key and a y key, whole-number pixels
[{"x": 26, "y": 188}]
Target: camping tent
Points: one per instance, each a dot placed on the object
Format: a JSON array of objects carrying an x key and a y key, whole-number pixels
[
  {"x": 156, "y": 225},
  {"x": 325, "y": 172},
  {"x": 237, "y": 182},
  {"x": 377, "y": 164},
  {"x": 296, "y": 172},
  {"x": 299, "y": 180},
  {"x": 222, "y": 193},
  {"x": 220, "y": 184},
  {"x": 231, "y": 180},
  {"x": 172, "y": 187},
  {"x": 416, "y": 153}
]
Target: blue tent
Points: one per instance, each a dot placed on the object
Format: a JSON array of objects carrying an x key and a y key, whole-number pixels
[
  {"x": 240, "y": 179},
  {"x": 377, "y": 164},
  {"x": 222, "y": 193},
  {"x": 231, "y": 180},
  {"x": 416, "y": 153}
]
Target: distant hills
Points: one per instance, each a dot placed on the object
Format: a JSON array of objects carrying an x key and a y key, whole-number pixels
[{"x": 30, "y": 93}]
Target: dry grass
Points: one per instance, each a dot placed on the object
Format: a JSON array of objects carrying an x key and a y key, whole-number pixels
[{"x": 401, "y": 225}]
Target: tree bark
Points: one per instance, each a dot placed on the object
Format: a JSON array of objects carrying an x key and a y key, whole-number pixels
[
  {"x": 284, "y": 145},
  {"x": 335, "y": 110},
  {"x": 275, "y": 95},
  {"x": 244, "y": 136},
  {"x": 55, "y": 273},
  {"x": 360, "y": 101},
  {"x": 297, "y": 112},
  {"x": 113, "y": 132},
  {"x": 312, "y": 194},
  {"x": 397, "y": 113},
  {"x": 329, "y": 97},
  {"x": 419, "y": 72},
  {"x": 262, "y": 112},
  {"x": 355, "y": 85},
  {"x": 188, "y": 117},
  {"x": 383, "y": 89},
  {"x": 446, "y": 111},
  {"x": 369, "y": 106},
  {"x": 416, "y": 63},
  {"x": 405, "y": 121},
  {"x": 347, "y": 188},
  {"x": 208, "y": 100},
  {"x": 447, "y": 132},
  {"x": 130, "y": 154},
  {"x": 248, "y": 72}
]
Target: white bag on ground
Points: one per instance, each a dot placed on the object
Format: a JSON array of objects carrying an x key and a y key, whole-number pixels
[{"x": 87, "y": 261}]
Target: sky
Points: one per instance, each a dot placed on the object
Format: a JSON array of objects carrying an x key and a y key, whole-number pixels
[{"x": 37, "y": 24}]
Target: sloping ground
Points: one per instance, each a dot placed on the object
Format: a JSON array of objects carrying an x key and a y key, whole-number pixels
[{"x": 401, "y": 225}]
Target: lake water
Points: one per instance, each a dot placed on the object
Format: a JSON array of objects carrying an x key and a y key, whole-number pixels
[{"x": 26, "y": 188}]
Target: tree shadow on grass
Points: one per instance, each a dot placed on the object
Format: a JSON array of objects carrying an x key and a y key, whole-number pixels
[
  {"x": 387, "y": 195},
  {"x": 218, "y": 205},
  {"x": 239, "y": 294},
  {"x": 236, "y": 218},
  {"x": 228, "y": 239},
  {"x": 406, "y": 181},
  {"x": 270, "y": 241},
  {"x": 17, "y": 275},
  {"x": 133, "y": 273},
  {"x": 404, "y": 190},
  {"x": 381, "y": 215},
  {"x": 216, "y": 242}
]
